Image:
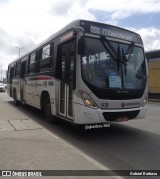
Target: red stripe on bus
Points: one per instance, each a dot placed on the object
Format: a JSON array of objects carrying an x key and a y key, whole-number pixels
[{"x": 43, "y": 78}]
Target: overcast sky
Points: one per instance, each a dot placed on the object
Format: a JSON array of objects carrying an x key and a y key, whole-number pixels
[{"x": 25, "y": 23}]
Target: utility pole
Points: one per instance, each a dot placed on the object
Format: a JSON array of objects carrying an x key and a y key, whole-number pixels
[{"x": 19, "y": 50}]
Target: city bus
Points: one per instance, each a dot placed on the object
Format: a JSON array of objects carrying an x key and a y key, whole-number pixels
[{"x": 86, "y": 73}]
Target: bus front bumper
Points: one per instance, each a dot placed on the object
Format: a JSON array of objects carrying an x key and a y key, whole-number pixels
[{"x": 86, "y": 115}]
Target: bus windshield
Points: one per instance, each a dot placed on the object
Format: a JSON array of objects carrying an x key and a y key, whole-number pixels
[{"x": 113, "y": 65}]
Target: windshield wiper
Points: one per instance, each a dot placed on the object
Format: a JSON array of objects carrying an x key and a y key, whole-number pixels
[
  {"x": 129, "y": 51},
  {"x": 107, "y": 45},
  {"x": 124, "y": 62},
  {"x": 126, "y": 56},
  {"x": 109, "y": 48}
]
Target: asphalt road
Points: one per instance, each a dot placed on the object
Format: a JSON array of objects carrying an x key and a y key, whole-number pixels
[{"x": 132, "y": 145}]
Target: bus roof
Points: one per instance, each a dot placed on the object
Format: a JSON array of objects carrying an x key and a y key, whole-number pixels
[
  {"x": 153, "y": 54},
  {"x": 92, "y": 27}
]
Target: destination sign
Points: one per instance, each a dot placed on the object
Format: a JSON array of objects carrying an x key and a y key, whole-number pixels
[{"x": 110, "y": 31}]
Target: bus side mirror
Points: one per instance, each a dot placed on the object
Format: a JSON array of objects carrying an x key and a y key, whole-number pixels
[{"x": 81, "y": 46}]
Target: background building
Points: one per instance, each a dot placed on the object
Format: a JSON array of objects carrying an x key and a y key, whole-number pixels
[{"x": 154, "y": 73}]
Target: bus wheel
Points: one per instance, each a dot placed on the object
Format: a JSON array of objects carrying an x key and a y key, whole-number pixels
[
  {"x": 47, "y": 110},
  {"x": 16, "y": 102}
]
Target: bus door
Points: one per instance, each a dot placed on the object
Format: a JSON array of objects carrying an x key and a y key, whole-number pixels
[{"x": 66, "y": 71}]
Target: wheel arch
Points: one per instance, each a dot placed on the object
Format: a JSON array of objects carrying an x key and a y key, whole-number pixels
[
  {"x": 16, "y": 102},
  {"x": 44, "y": 94},
  {"x": 14, "y": 91}
]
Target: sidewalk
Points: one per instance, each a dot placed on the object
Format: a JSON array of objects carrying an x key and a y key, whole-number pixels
[{"x": 26, "y": 145}]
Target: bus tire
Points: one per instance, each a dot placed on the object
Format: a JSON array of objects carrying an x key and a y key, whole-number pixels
[{"x": 16, "y": 102}]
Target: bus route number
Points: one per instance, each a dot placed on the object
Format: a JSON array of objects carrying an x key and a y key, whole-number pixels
[{"x": 104, "y": 105}]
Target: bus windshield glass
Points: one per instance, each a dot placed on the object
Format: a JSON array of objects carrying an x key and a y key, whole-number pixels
[{"x": 113, "y": 65}]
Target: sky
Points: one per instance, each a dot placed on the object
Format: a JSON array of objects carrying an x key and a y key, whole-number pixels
[{"x": 25, "y": 23}]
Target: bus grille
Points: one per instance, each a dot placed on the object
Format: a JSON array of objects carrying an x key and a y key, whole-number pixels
[{"x": 112, "y": 116}]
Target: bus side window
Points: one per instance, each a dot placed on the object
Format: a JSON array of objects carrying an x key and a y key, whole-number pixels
[
  {"x": 23, "y": 69},
  {"x": 32, "y": 63},
  {"x": 10, "y": 73},
  {"x": 45, "y": 62},
  {"x": 17, "y": 68}
]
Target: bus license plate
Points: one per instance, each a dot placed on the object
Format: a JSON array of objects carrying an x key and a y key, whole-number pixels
[{"x": 121, "y": 119}]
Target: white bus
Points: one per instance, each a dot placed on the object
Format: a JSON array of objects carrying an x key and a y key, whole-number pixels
[{"x": 86, "y": 73}]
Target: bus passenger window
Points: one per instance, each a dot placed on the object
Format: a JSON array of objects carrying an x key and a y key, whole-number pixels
[
  {"x": 45, "y": 61},
  {"x": 31, "y": 65},
  {"x": 10, "y": 74},
  {"x": 17, "y": 68}
]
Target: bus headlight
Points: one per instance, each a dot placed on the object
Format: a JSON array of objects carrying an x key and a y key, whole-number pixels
[
  {"x": 145, "y": 101},
  {"x": 87, "y": 100}
]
